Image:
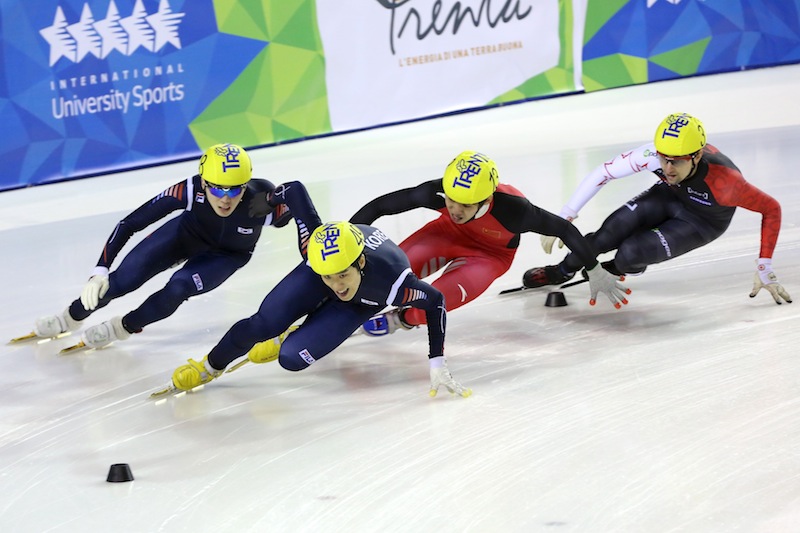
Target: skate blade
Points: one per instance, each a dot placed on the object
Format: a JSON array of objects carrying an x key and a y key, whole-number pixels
[
  {"x": 39, "y": 340},
  {"x": 74, "y": 348},
  {"x": 237, "y": 366},
  {"x": 523, "y": 288},
  {"x": 171, "y": 391},
  {"x": 27, "y": 337}
]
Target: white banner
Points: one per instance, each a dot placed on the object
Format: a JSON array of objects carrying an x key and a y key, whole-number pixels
[{"x": 394, "y": 60}]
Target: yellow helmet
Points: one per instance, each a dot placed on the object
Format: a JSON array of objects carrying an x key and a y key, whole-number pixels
[
  {"x": 333, "y": 247},
  {"x": 470, "y": 178},
  {"x": 227, "y": 165},
  {"x": 680, "y": 134}
]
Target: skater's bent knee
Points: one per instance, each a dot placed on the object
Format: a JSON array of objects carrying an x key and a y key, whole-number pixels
[{"x": 292, "y": 362}]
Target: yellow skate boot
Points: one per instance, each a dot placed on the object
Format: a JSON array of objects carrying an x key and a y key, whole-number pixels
[
  {"x": 269, "y": 350},
  {"x": 196, "y": 373}
]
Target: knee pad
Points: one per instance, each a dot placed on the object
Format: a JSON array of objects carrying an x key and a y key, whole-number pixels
[
  {"x": 292, "y": 362},
  {"x": 179, "y": 289},
  {"x": 293, "y": 356},
  {"x": 629, "y": 258}
]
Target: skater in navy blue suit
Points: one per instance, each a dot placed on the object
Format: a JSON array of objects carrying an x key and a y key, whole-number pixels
[
  {"x": 348, "y": 273},
  {"x": 213, "y": 238}
]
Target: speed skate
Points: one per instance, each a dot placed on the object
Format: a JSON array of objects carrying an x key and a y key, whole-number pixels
[
  {"x": 74, "y": 348},
  {"x": 32, "y": 336},
  {"x": 28, "y": 337},
  {"x": 171, "y": 390}
]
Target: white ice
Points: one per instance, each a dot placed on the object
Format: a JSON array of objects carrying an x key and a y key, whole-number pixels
[{"x": 678, "y": 413}]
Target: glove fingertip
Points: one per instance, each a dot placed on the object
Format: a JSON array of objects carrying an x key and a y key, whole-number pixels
[
  {"x": 467, "y": 393},
  {"x": 592, "y": 301},
  {"x": 432, "y": 393}
]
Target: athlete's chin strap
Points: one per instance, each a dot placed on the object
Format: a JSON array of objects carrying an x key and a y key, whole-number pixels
[
  {"x": 694, "y": 166},
  {"x": 483, "y": 209}
]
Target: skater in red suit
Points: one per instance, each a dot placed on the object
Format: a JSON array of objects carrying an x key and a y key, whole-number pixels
[
  {"x": 692, "y": 204},
  {"x": 475, "y": 237}
]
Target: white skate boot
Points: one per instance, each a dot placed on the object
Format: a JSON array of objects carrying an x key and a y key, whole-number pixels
[
  {"x": 54, "y": 325},
  {"x": 101, "y": 335}
]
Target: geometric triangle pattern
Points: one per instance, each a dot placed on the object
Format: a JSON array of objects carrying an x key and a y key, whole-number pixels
[
  {"x": 636, "y": 41},
  {"x": 281, "y": 95},
  {"x": 93, "y": 86},
  {"x": 559, "y": 79}
]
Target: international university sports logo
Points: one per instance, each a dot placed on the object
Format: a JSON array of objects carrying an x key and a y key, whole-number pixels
[{"x": 101, "y": 37}]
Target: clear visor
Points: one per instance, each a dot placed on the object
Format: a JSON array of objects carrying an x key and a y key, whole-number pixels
[{"x": 675, "y": 160}]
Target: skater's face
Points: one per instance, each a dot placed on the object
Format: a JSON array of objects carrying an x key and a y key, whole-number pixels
[
  {"x": 460, "y": 213},
  {"x": 223, "y": 200},
  {"x": 677, "y": 169},
  {"x": 346, "y": 283}
]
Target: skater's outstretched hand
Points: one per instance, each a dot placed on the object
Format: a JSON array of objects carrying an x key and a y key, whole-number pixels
[
  {"x": 440, "y": 375},
  {"x": 603, "y": 281},
  {"x": 765, "y": 278}
]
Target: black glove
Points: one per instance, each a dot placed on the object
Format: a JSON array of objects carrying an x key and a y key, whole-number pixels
[{"x": 259, "y": 205}]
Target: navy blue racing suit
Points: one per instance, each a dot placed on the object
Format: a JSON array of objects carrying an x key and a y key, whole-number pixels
[
  {"x": 212, "y": 247},
  {"x": 386, "y": 280}
]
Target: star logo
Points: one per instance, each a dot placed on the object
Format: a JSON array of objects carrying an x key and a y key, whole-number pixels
[
  {"x": 99, "y": 38},
  {"x": 112, "y": 34},
  {"x": 61, "y": 42}
]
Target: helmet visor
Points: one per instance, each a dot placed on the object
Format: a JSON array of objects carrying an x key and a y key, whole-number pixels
[
  {"x": 222, "y": 192},
  {"x": 675, "y": 160}
]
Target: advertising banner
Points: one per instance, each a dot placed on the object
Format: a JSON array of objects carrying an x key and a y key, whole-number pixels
[
  {"x": 93, "y": 86},
  {"x": 639, "y": 41},
  {"x": 395, "y": 60},
  {"x": 98, "y": 86}
]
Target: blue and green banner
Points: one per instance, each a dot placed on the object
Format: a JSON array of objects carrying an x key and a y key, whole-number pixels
[
  {"x": 95, "y": 86},
  {"x": 98, "y": 86},
  {"x": 629, "y": 42}
]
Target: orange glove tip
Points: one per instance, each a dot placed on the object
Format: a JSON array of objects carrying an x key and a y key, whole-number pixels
[
  {"x": 628, "y": 291},
  {"x": 592, "y": 302},
  {"x": 617, "y": 305}
]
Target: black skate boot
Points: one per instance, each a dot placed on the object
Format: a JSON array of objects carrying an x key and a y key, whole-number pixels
[{"x": 541, "y": 276}]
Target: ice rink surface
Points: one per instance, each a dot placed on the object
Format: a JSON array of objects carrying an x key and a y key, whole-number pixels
[{"x": 678, "y": 413}]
